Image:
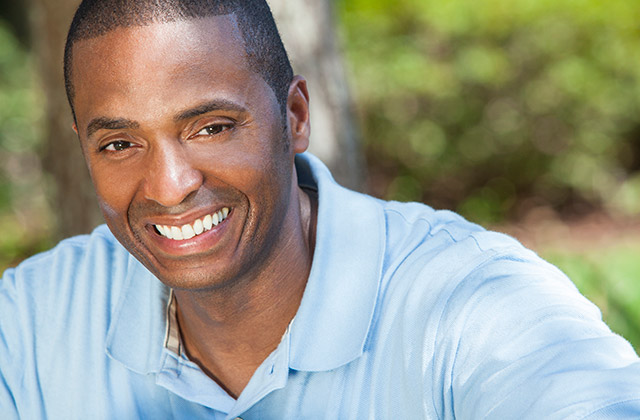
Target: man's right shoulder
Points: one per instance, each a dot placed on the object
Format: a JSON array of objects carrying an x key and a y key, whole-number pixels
[
  {"x": 72, "y": 257},
  {"x": 85, "y": 267},
  {"x": 56, "y": 309}
]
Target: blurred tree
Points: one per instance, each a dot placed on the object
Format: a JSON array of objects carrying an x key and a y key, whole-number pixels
[
  {"x": 73, "y": 199},
  {"x": 308, "y": 31},
  {"x": 307, "y": 28}
]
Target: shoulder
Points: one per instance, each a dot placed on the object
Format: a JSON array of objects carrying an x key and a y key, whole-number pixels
[
  {"x": 79, "y": 277},
  {"x": 97, "y": 255},
  {"x": 461, "y": 287},
  {"x": 487, "y": 314},
  {"x": 417, "y": 236},
  {"x": 453, "y": 263}
]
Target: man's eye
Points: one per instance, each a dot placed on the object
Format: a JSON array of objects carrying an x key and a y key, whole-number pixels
[
  {"x": 212, "y": 130},
  {"x": 117, "y": 146}
]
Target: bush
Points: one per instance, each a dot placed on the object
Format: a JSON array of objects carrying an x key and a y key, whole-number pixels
[
  {"x": 24, "y": 215},
  {"x": 495, "y": 107}
]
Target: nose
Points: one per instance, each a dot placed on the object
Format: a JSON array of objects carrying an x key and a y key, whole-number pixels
[{"x": 171, "y": 176}]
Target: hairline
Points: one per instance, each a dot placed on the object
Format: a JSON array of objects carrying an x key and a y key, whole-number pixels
[{"x": 69, "y": 55}]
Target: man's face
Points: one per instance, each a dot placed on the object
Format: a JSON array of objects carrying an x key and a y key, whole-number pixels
[{"x": 187, "y": 150}]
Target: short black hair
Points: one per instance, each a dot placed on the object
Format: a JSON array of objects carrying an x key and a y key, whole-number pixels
[{"x": 264, "y": 49}]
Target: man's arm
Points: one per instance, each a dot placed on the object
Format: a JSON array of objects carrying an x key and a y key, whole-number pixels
[{"x": 530, "y": 346}]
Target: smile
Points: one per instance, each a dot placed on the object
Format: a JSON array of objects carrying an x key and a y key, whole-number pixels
[{"x": 188, "y": 231}]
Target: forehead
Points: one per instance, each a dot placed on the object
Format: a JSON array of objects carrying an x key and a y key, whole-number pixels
[
  {"x": 140, "y": 46},
  {"x": 159, "y": 62}
]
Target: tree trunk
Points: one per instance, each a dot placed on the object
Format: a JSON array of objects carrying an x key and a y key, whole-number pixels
[
  {"x": 308, "y": 31},
  {"x": 73, "y": 199}
]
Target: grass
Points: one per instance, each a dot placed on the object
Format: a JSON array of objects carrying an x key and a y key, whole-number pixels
[{"x": 609, "y": 276}]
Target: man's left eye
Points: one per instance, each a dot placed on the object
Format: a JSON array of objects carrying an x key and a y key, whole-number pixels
[
  {"x": 212, "y": 130},
  {"x": 116, "y": 146}
]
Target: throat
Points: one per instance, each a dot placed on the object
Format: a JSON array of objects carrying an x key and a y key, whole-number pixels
[{"x": 230, "y": 347}]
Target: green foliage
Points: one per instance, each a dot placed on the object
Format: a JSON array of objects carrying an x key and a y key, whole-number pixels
[
  {"x": 24, "y": 217},
  {"x": 18, "y": 124},
  {"x": 482, "y": 106}
]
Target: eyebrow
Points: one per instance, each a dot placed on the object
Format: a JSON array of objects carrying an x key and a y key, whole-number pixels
[
  {"x": 105, "y": 123},
  {"x": 215, "y": 105}
]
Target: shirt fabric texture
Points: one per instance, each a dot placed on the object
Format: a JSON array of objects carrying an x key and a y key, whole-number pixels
[{"x": 408, "y": 313}]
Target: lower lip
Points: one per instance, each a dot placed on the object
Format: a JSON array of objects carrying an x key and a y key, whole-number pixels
[{"x": 196, "y": 245}]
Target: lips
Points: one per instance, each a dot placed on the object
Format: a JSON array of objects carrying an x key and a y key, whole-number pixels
[{"x": 199, "y": 226}]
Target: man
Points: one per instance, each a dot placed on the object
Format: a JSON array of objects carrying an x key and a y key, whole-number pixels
[{"x": 236, "y": 279}]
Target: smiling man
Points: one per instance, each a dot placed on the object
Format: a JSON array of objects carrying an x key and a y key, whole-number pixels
[
  {"x": 193, "y": 166},
  {"x": 236, "y": 279}
]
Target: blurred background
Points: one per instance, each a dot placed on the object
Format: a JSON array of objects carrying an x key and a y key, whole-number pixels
[{"x": 522, "y": 115}]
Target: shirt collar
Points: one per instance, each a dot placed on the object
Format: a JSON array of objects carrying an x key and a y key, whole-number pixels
[
  {"x": 137, "y": 332},
  {"x": 332, "y": 324}
]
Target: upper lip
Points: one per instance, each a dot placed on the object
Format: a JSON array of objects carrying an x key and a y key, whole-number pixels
[{"x": 185, "y": 218}]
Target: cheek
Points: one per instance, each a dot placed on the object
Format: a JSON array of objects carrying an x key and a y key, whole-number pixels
[
  {"x": 115, "y": 190},
  {"x": 260, "y": 177},
  {"x": 248, "y": 163}
]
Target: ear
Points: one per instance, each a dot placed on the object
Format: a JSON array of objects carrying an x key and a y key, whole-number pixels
[{"x": 298, "y": 114}]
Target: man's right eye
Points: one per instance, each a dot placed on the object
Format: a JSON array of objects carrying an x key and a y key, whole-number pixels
[{"x": 116, "y": 146}]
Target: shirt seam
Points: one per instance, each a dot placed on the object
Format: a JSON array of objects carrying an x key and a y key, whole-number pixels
[{"x": 470, "y": 268}]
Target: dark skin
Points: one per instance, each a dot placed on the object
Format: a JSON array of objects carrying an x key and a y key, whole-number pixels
[{"x": 170, "y": 138}]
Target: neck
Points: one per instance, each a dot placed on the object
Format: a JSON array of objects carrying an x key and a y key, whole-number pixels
[{"x": 229, "y": 332}]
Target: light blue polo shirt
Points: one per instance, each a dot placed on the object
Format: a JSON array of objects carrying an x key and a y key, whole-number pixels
[{"x": 409, "y": 313}]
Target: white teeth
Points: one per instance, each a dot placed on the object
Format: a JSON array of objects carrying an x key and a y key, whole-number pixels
[
  {"x": 188, "y": 231},
  {"x": 176, "y": 233},
  {"x": 198, "y": 227},
  {"x": 167, "y": 232},
  {"x": 207, "y": 222}
]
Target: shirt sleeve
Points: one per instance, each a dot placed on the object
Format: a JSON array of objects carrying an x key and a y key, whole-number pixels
[{"x": 527, "y": 345}]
